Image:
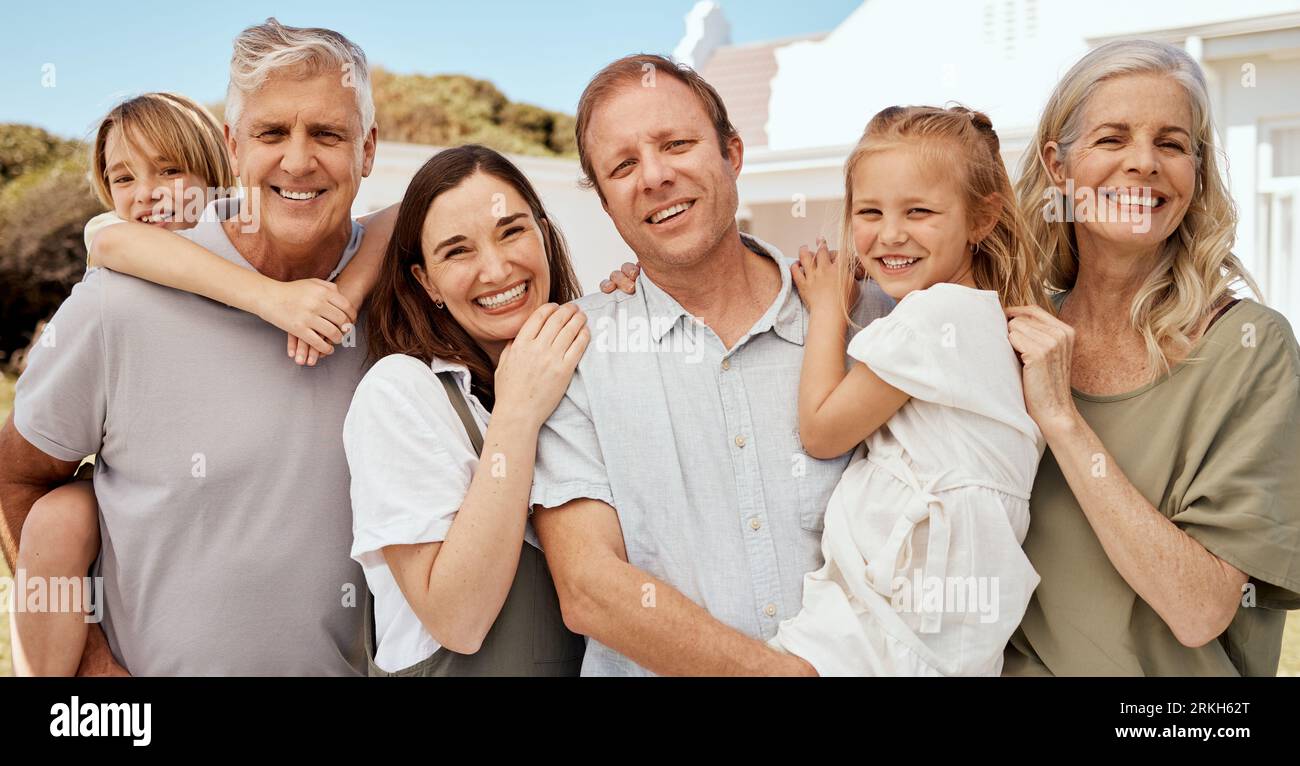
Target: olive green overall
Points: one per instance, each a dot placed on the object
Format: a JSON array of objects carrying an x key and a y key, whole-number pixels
[{"x": 528, "y": 637}]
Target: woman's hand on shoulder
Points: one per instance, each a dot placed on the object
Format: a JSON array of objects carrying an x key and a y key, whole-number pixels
[
  {"x": 1045, "y": 345},
  {"x": 535, "y": 368}
]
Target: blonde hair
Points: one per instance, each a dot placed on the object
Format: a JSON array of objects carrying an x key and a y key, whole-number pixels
[
  {"x": 1196, "y": 267},
  {"x": 179, "y": 129},
  {"x": 265, "y": 48},
  {"x": 1000, "y": 262}
]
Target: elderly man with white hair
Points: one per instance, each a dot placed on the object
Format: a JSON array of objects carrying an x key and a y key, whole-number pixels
[{"x": 221, "y": 477}]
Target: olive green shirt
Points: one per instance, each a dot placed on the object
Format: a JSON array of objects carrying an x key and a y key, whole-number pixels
[{"x": 1214, "y": 446}]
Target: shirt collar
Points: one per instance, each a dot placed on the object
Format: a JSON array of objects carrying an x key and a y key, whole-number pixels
[
  {"x": 785, "y": 316},
  {"x": 223, "y": 208},
  {"x": 458, "y": 371}
]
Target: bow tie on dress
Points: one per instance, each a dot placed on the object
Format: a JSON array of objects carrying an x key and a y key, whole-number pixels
[{"x": 926, "y": 504}]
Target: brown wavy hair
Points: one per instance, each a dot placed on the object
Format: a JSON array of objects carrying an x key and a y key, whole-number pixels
[{"x": 401, "y": 318}]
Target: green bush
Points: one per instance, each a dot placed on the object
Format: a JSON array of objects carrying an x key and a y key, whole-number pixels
[
  {"x": 446, "y": 110},
  {"x": 24, "y": 148},
  {"x": 42, "y": 255}
]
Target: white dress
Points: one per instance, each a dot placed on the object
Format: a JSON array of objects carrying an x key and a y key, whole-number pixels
[{"x": 924, "y": 572}]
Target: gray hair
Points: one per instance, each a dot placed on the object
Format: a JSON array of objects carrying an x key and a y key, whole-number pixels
[
  {"x": 1196, "y": 266},
  {"x": 264, "y": 49},
  {"x": 1123, "y": 57}
]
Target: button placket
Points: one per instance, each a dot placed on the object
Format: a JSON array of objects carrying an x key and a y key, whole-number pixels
[{"x": 760, "y": 548}]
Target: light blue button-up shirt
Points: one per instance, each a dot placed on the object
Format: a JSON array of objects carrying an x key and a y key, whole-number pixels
[{"x": 697, "y": 449}]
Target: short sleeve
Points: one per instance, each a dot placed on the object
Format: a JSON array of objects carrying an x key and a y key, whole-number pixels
[
  {"x": 97, "y": 224},
  {"x": 901, "y": 356},
  {"x": 406, "y": 486},
  {"x": 61, "y": 400},
  {"x": 1243, "y": 504},
  {"x": 569, "y": 461}
]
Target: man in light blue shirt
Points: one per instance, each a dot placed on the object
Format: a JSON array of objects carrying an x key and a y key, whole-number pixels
[{"x": 676, "y": 506}]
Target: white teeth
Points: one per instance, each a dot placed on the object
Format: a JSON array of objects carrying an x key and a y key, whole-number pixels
[
  {"x": 1124, "y": 198},
  {"x": 667, "y": 212},
  {"x": 500, "y": 299},
  {"x": 298, "y": 195},
  {"x": 898, "y": 263}
]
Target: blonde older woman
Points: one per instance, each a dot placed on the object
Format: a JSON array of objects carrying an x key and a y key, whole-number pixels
[{"x": 1165, "y": 518}]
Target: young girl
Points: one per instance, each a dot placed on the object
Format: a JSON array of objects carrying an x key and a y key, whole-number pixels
[
  {"x": 156, "y": 162},
  {"x": 924, "y": 573}
]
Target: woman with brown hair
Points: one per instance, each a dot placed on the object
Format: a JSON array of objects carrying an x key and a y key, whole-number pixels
[{"x": 470, "y": 320}]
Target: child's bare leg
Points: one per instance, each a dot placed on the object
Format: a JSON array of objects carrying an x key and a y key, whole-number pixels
[{"x": 59, "y": 540}]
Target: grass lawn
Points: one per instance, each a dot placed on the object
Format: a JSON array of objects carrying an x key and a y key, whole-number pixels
[{"x": 1290, "y": 665}]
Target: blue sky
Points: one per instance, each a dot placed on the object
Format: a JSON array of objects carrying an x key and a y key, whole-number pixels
[{"x": 537, "y": 52}]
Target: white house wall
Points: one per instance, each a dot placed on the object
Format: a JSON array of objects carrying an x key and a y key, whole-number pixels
[{"x": 1000, "y": 56}]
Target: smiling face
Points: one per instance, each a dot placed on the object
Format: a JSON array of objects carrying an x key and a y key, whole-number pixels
[
  {"x": 1135, "y": 158},
  {"x": 665, "y": 182},
  {"x": 910, "y": 225},
  {"x": 148, "y": 187},
  {"x": 300, "y": 144},
  {"x": 485, "y": 259}
]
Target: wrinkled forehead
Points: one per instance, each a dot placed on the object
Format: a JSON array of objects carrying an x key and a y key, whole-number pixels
[
  {"x": 293, "y": 97},
  {"x": 637, "y": 110},
  {"x": 1142, "y": 101}
]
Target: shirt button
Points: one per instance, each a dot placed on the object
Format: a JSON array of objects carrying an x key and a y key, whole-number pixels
[
  {"x": 740, "y": 441},
  {"x": 770, "y": 610},
  {"x": 755, "y": 524},
  {"x": 726, "y": 363}
]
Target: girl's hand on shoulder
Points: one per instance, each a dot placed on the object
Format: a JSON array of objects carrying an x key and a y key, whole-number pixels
[
  {"x": 535, "y": 368},
  {"x": 1046, "y": 348},
  {"x": 303, "y": 354},
  {"x": 312, "y": 311},
  {"x": 623, "y": 279},
  {"x": 817, "y": 278}
]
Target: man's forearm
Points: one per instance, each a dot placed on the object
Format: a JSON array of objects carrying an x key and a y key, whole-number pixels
[
  {"x": 16, "y": 502},
  {"x": 25, "y": 475},
  {"x": 654, "y": 625},
  {"x": 97, "y": 658}
]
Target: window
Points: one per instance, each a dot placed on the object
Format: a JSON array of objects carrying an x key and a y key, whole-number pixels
[{"x": 1279, "y": 216}]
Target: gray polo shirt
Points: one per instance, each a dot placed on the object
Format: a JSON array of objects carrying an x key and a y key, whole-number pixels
[
  {"x": 697, "y": 449},
  {"x": 221, "y": 478}
]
